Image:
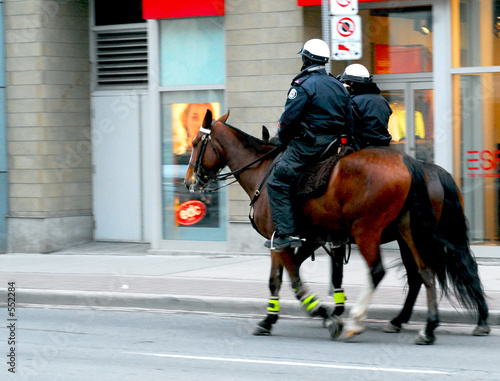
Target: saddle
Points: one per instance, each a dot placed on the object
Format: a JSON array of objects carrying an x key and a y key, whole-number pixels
[{"x": 314, "y": 180}]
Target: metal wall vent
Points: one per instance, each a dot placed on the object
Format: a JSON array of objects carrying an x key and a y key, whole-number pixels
[{"x": 122, "y": 58}]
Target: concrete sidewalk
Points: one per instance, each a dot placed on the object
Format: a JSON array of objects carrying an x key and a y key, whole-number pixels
[{"x": 121, "y": 275}]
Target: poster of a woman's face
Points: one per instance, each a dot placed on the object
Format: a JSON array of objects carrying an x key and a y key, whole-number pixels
[{"x": 187, "y": 119}]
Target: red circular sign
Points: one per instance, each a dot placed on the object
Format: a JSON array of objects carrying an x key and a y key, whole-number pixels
[
  {"x": 344, "y": 3},
  {"x": 346, "y": 27},
  {"x": 190, "y": 212}
]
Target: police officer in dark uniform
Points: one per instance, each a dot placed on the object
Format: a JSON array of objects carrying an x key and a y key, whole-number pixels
[
  {"x": 317, "y": 110},
  {"x": 371, "y": 111}
]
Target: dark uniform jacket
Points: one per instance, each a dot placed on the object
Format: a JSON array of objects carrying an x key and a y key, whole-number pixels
[
  {"x": 317, "y": 110},
  {"x": 371, "y": 116}
]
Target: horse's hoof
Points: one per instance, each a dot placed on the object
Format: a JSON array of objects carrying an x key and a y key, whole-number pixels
[
  {"x": 352, "y": 333},
  {"x": 424, "y": 339},
  {"x": 261, "y": 331},
  {"x": 481, "y": 330},
  {"x": 334, "y": 325},
  {"x": 392, "y": 328}
]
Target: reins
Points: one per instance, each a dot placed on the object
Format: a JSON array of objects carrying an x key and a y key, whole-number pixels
[{"x": 210, "y": 177}]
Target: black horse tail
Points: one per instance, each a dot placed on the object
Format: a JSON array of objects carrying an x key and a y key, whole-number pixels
[
  {"x": 461, "y": 266},
  {"x": 444, "y": 245},
  {"x": 423, "y": 223}
]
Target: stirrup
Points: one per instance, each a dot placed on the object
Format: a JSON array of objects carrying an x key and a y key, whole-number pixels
[
  {"x": 286, "y": 241},
  {"x": 269, "y": 243}
]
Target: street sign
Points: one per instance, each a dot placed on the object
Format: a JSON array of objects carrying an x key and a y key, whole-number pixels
[
  {"x": 346, "y": 38},
  {"x": 344, "y": 7}
]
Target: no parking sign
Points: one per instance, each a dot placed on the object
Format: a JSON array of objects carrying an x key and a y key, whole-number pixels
[
  {"x": 344, "y": 7},
  {"x": 346, "y": 37}
]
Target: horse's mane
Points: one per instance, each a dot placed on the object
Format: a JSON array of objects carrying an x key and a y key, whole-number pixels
[{"x": 250, "y": 141}]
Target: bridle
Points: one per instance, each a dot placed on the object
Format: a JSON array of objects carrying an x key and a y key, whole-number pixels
[
  {"x": 201, "y": 175},
  {"x": 205, "y": 177}
]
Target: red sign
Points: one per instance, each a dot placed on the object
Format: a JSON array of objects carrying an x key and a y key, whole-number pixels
[
  {"x": 165, "y": 9},
  {"x": 346, "y": 27},
  {"x": 309, "y": 3},
  {"x": 483, "y": 161},
  {"x": 190, "y": 212},
  {"x": 393, "y": 59},
  {"x": 343, "y": 3}
]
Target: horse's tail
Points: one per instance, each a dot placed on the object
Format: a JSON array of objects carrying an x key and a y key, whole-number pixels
[
  {"x": 423, "y": 222},
  {"x": 461, "y": 266},
  {"x": 444, "y": 246}
]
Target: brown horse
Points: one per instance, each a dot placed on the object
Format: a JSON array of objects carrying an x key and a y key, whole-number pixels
[
  {"x": 369, "y": 192},
  {"x": 448, "y": 206}
]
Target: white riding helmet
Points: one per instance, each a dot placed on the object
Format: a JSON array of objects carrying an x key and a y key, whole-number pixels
[
  {"x": 316, "y": 50},
  {"x": 356, "y": 73}
]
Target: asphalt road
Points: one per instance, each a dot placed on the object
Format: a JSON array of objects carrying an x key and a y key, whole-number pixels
[{"x": 82, "y": 344}]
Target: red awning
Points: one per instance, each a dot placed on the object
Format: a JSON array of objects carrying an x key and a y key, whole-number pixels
[
  {"x": 307, "y": 3},
  {"x": 165, "y": 9}
]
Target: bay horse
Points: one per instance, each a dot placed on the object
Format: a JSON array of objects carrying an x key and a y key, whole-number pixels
[
  {"x": 368, "y": 192},
  {"x": 448, "y": 206}
]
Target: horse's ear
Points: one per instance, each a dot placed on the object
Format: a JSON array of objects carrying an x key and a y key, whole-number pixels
[
  {"x": 207, "y": 122},
  {"x": 224, "y": 117},
  {"x": 265, "y": 134}
]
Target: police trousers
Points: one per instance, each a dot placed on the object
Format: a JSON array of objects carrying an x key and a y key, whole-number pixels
[{"x": 282, "y": 180}]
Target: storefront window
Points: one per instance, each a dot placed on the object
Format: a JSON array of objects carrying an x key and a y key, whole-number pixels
[
  {"x": 191, "y": 61},
  {"x": 396, "y": 40},
  {"x": 478, "y": 24},
  {"x": 476, "y": 115},
  {"x": 192, "y": 51},
  {"x": 397, "y": 50},
  {"x": 477, "y": 127}
]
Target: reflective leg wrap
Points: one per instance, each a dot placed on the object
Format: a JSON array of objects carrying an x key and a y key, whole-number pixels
[
  {"x": 339, "y": 296},
  {"x": 312, "y": 304},
  {"x": 273, "y": 307},
  {"x": 339, "y": 299}
]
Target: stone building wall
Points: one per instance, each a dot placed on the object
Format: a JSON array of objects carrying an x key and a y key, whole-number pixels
[{"x": 48, "y": 124}]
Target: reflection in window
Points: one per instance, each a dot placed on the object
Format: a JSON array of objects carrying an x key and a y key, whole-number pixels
[
  {"x": 422, "y": 124},
  {"x": 404, "y": 43},
  {"x": 478, "y": 40},
  {"x": 186, "y": 121},
  {"x": 396, "y": 40},
  {"x": 477, "y": 125}
]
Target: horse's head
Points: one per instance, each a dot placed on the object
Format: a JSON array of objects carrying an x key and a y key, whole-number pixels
[{"x": 206, "y": 162}]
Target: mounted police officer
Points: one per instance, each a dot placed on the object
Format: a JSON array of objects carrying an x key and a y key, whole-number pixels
[
  {"x": 371, "y": 111},
  {"x": 317, "y": 111}
]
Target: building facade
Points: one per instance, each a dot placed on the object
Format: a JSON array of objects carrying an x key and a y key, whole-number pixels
[{"x": 100, "y": 106}]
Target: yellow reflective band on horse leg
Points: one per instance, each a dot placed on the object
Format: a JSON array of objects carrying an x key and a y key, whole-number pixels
[
  {"x": 311, "y": 302},
  {"x": 308, "y": 299},
  {"x": 339, "y": 297},
  {"x": 313, "y": 305},
  {"x": 274, "y": 306}
]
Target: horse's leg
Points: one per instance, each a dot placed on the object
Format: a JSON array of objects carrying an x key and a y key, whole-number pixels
[
  {"x": 337, "y": 260},
  {"x": 310, "y": 301},
  {"x": 426, "y": 335},
  {"x": 265, "y": 326},
  {"x": 369, "y": 247},
  {"x": 414, "y": 285}
]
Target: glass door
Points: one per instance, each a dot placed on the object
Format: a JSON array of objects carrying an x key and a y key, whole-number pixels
[{"x": 411, "y": 123}]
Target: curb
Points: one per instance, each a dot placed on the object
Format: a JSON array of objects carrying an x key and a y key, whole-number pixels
[{"x": 207, "y": 304}]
